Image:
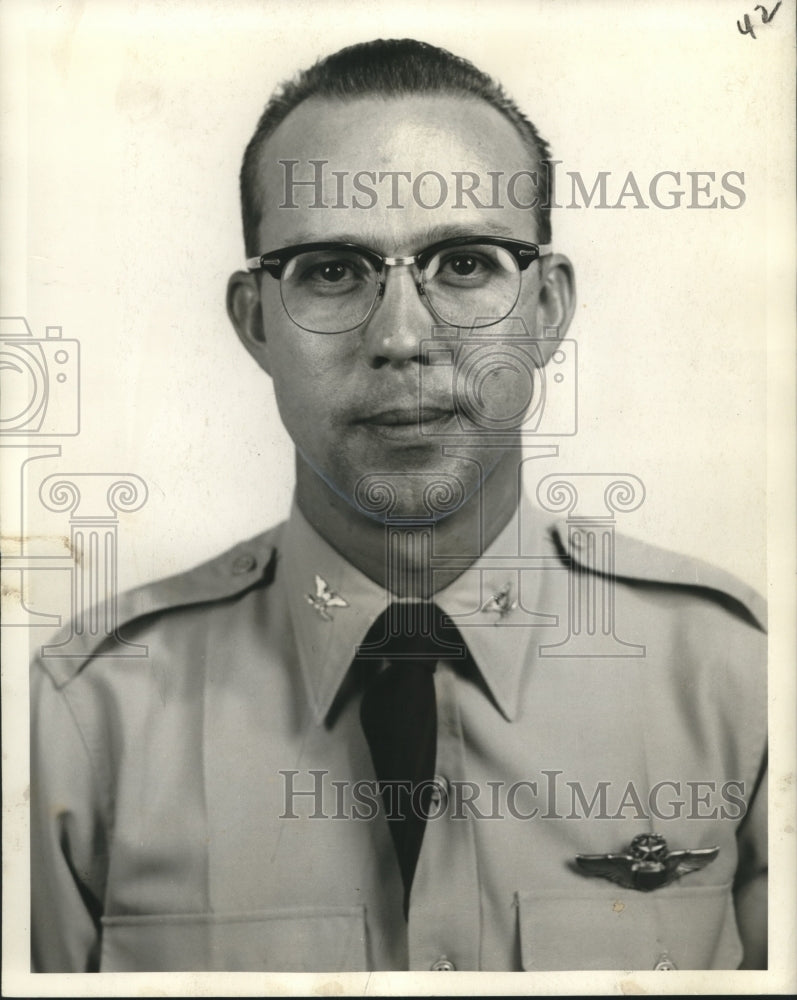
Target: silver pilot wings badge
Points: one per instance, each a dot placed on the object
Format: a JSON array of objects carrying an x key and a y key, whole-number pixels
[{"x": 647, "y": 863}]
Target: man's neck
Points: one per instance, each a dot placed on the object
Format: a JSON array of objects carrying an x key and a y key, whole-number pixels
[{"x": 398, "y": 556}]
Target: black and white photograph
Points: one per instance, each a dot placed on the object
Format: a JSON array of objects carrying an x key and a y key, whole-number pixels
[{"x": 398, "y": 497}]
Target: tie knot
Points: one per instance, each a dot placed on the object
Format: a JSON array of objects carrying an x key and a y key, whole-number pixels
[{"x": 413, "y": 631}]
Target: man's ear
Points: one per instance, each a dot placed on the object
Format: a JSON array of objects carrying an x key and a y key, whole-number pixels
[
  {"x": 246, "y": 315},
  {"x": 556, "y": 302}
]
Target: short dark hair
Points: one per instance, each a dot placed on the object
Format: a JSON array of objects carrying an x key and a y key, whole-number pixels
[{"x": 389, "y": 68}]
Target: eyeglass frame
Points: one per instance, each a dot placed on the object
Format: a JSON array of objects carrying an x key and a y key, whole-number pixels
[{"x": 275, "y": 262}]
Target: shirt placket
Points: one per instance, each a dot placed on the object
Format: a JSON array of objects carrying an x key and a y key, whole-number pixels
[{"x": 444, "y": 927}]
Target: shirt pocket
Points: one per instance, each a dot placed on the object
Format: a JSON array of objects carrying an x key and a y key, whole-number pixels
[
  {"x": 292, "y": 940},
  {"x": 619, "y": 928}
]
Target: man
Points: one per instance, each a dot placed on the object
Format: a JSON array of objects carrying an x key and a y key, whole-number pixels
[{"x": 382, "y": 735}]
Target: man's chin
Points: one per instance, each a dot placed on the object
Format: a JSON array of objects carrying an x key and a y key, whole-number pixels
[
  {"x": 409, "y": 493},
  {"x": 410, "y": 496}
]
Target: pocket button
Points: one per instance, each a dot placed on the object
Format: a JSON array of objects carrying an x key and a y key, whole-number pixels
[
  {"x": 443, "y": 965},
  {"x": 244, "y": 564},
  {"x": 665, "y": 963}
]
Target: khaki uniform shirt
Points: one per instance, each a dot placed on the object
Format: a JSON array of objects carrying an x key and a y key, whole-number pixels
[{"x": 210, "y": 806}]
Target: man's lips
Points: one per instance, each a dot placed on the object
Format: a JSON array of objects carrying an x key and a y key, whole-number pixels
[
  {"x": 407, "y": 425},
  {"x": 405, "y": 416}
]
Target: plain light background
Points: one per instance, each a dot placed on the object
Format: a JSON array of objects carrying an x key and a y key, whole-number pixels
[{"x": 123, "y": 127}]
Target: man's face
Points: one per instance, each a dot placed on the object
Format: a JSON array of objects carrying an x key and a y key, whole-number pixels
[{"x": 369, "y": 400}]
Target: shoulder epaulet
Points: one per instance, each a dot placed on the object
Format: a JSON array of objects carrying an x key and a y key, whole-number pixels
[
  {"x": 224, "y": 576},
  {"x": 637, "y": 560}
]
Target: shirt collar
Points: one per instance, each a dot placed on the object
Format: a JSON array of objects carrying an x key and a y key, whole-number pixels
[{"x": 319, "y": 580}]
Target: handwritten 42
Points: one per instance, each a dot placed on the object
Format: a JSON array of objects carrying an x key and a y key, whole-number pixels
[{"x": 765, "y": 18}]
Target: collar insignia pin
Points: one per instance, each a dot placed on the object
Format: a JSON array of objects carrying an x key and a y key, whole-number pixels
[
  {"x": 324, "y": 599},
  {"x": 501, "y": 602},
  {"x": 646, "y": 864}
]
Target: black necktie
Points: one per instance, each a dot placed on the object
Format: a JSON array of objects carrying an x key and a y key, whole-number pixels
[{"x": 399, "y": 718}]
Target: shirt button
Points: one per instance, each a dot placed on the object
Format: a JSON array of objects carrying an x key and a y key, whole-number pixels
[
  {"x": 439, "y": 790},
  {"x": 244, "y": 564},
  {"x": 444, "y": 965},
  {"x": 665, "y": 963}
]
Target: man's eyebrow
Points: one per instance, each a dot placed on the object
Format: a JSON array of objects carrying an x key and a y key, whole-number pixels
[{"x": 418, "y": 241}]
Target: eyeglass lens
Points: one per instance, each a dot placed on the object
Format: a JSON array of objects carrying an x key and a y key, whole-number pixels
[{"x": 331, "y": 291}]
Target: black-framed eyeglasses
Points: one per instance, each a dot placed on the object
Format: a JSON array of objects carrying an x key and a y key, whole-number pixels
[{"x": 466, "y": 281}]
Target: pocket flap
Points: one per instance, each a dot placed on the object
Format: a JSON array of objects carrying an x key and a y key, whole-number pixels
[{"x": 280, "y": 940}]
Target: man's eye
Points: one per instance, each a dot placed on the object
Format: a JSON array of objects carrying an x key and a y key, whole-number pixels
[
  {"x": 329, "y": 273},
  {"x": 465, "y": 265},
  {"x": 332, "y": 272}
]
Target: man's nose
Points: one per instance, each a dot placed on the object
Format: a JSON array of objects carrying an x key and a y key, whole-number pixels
[{"x": 400, "y": 324}]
